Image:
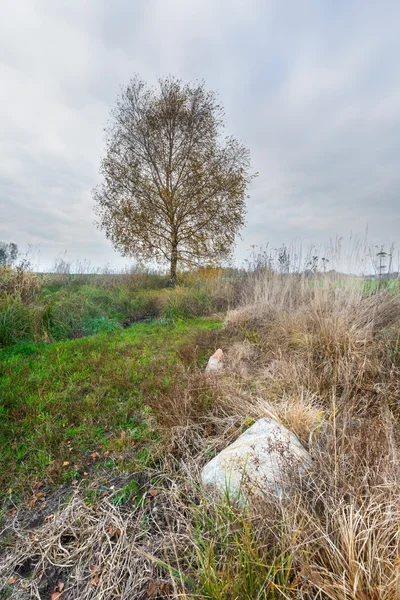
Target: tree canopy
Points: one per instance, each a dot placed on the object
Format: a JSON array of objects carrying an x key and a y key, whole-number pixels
[
  {"x": 8, "y": 253},
  {"x": 173, "y": 188}
]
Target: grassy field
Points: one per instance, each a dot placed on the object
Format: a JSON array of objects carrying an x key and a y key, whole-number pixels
[
  {"x": 66, "y": 402},
  {"x": 107, "y": 418}
]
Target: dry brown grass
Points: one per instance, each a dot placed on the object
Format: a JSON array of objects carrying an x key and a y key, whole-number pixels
[
  {"x": 317, "y": 337},
  {"x": 348, "y": 522},
  {"x": 323, "y": 358},
  {"x": 326, "y": 359},
  {"x": 106, "y": 551},
  {"x": 18, "y": 283}
]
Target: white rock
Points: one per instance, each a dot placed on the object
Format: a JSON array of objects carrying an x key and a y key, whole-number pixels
[
  {"x": 261, "y": 461},
  {"x": 215, "y": 361}
]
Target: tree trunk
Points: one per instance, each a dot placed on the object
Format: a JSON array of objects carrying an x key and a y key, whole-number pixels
[{"x": 173, "y": 265}]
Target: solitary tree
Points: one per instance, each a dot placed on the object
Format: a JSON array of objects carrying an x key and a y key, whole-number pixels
[{"x": 173, "y": 188}]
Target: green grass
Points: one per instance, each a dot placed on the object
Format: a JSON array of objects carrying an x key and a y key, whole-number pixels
[
  {"x": 372, "y": 286},
  {"x": 232, "y": 554},
  {"x": 70, "y": 406},
  {"x": 73, "y": 311},
  {"x": 236, "y": 558}
]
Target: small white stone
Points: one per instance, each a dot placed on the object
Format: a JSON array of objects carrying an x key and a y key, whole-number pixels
[{"x": 215, "y": 361}]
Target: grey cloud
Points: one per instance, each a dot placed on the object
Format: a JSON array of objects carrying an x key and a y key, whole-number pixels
[{"x": 312, "y": 88}]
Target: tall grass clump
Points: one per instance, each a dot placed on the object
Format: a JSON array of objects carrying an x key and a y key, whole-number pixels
[
  {"x": 18, "y": 314},
  {"x": 185, "y": 302},
  {"x": 17, "y": 321},
  {"x": 323, "y": 355},
  {"x": 18, "y": 282}
]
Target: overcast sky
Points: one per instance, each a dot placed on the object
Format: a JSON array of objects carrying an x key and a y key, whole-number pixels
[{"x": 313, "y": 88}]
